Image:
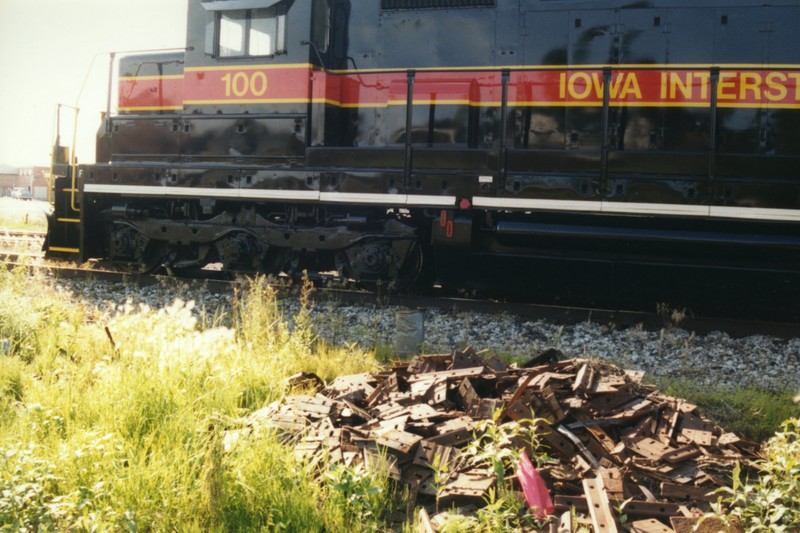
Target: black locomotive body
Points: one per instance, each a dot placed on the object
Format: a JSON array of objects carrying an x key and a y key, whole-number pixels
[{"x": 465, "y": 140}]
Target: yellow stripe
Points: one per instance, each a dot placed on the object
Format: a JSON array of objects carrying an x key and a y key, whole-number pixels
[
  {"x": 430, "y": 102},
  {"x": 249, "y": 67},
  {"x": 596, "y": 103},
  {"x": 249, "y": 101},
  {"x": 542, "y": 103},
  {"x": 370, "y": 106},
  {"x": 327, "y": 101},
  {"x": 434, "y": 102},
  {"x": 762, "y": 105},
  {"x": 151, "y": 108},
  {"x": 69, "y": 190},
  {"x": 66, "y": 250},
  {"x": 147, "y": 78},
  {"x": 645, "y": 66},
  {"x": 71, "y": 220}
]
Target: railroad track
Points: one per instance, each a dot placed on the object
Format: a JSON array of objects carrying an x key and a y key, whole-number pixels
[
  {"x": 14, "y": 233},
  {"x": 565, "y": 315},
  {"x": 21, "y": 242},
  {"x": 215, "y": 282}
]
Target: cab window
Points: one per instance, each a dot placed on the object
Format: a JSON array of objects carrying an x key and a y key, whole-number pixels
[{"x": 246, "y": 32}]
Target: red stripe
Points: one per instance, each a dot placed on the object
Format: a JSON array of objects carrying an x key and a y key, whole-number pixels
[
  {"x": 741, "y": 87},
  {"x": 151, "y": 93}
]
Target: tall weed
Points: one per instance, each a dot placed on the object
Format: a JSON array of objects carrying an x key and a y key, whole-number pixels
[
  {"x": 117, "y": 424},
  {"x": 772, "y": 501}
]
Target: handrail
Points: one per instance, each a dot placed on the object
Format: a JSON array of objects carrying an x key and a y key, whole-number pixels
[
  {"x": 74, "y": 165},
  {"x": 71, "y": 161},
  {"x": 54, "y": 144}
]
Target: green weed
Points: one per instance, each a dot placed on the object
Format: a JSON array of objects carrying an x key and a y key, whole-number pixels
[
  {"x": 772, "y": 501},
  {"x": 357, "y": 498},
  {"x": 498, "y": 448}
]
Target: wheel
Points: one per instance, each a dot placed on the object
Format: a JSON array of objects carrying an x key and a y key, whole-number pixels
[{"x": 133, "y": 252}]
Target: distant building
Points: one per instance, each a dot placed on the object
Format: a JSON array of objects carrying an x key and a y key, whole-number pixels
[{"x": 32, "y": 179}]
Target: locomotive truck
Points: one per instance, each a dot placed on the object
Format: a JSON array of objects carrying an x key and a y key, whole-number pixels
[{"x": 465, "y": 141}]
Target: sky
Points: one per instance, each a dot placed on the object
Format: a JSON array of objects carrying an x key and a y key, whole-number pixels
[{"x": 50, "y": 48}]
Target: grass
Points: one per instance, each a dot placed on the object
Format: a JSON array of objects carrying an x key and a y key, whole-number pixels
[
  {"x": 129, "y": 436},
  {"x": 132, "y": 434}
]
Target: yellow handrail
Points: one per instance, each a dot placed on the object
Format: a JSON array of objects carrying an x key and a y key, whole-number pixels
[
  {"x": 74, "y": 162},
  {"x": 71, "y": 159},
  {"x": 55, "y": 146}
]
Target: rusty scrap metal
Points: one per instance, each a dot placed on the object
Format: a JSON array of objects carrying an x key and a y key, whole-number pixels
[
  {"x": 599, "y": 506},
  {"x": 613, "y": 444}
]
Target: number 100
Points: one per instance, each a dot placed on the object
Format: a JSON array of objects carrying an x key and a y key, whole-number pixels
[{"x": 240, "y": 84}]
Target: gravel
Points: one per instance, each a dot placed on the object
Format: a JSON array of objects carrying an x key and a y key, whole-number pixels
[{"x": 712, "y": 359}]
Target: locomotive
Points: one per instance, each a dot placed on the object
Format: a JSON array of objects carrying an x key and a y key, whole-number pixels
[{"x": 464, "y": 141}]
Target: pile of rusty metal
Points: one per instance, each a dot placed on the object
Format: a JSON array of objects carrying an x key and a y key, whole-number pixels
[{"x": 613, "y": 445}]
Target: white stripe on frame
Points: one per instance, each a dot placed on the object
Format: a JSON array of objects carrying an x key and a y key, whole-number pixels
[
  {"x": 639, "y": 208},
  {"x": 655, "y": 209},
  {"x": 633, "y": 208},
  {"x": 756, "y": 213},
  {"x": 536, "y": 203},
  {"x": 272, "y": 194}
]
